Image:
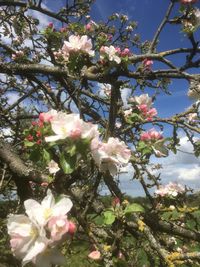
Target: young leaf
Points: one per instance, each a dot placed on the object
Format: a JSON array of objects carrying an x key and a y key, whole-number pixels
[
  {"x": 67, "y": 163},
  {"x": 134, "y": 207},
  {"x": 109, "y": 217}
]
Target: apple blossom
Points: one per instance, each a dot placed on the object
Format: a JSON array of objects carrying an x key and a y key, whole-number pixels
[
  {"x": 151, "y": 135},
  {"x": 90, "y": 26},
  {"x": 42, "y": 213},
  {"x": 111, "y": 52},
  {"x": 71, "y": 126},
  {"x": 128, "y": 112},
  {"x": 192, "y": 117},
  {"x": 143, "y": 99},
  {"x": 53, "y": 167},
  {"x": 111, "y": 155},
  {"x": 125, "y": 52},
  {"x": 78, "y": 43},
  {"x": 48, "y": 116},
  {"x": 27, "y": 238},
  {"x": 58, "y": 226},
  {"x": 170, "y": 190}
]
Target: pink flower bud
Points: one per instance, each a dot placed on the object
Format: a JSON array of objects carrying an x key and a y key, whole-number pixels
[
  {"x": 95, "y": 255},
  {"x": 102, "y": 49},
  {"x": 50, "y": 25},
  {"x": 145, "y": 136},
  {"x": 118, "y": 50},
  {"x": 152, "y": 112},
  {"x": 29, "y": 137},
  {"x": 44, "y": 184},
  {"x": 72, "y": 228},
  {"x": 39, "y": 142},
  {"x": 34, "y": 123},
  {"x": 116, "y": 202},
  {"x": 88, "y": 26},
  {"x": 147, "y": 63},
  {"x": 125, "y": 52}
]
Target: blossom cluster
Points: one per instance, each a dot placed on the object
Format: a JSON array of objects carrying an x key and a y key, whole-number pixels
[
  {"x": 75, "y": 44},
  {"x": 143, "y": 104},
  {"x": 35, "y": 237},
  {"x": 151, "y": 135},
  {"x": 112, "y": 53},
  {"x": 110, "y": 155},
  {"x": 170, "y": 190},
  {"x": 155, "y": 140}
]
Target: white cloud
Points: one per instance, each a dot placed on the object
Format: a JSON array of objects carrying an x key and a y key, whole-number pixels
[{"x": 182, "y": 167}]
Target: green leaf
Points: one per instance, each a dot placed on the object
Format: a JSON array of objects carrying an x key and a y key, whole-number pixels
[
  {"x": 67, "y": 163},
  {"x": 134, "y": 207},
  {"x": 72, "y": 150},
  {"x": 46, "y": 155},
  {"x": 28, "y": 143},
  {"x": 109, "y": 217},
  {"x": 141, "y": 145}
]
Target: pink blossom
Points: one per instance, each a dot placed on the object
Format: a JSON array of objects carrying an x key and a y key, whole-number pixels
[
  {"x": 48, "y": 116},
  {"x": 118, "y": 50},
  {"x": 50, "y": 25},
  {"x": 171, "y": 189},
  {"x": 143, "y": 108},
  {"x": 71, "y": 126},
  {"x": 142, "y": 99},
  {"x": 72, "y": 228},
  {"x": 152, "y": 112},
  {"x": 58, "y": 226},
  {"x": 151, "y": 135},
  {"x": 111, "y": 155},
  {"x": 95, "y": 255},
  {"x": 90, "y": 26},
  {"x": 148, "y": 63},
  {"x": 27, "y": 239},
  {"x": 125, "y": 52},
  {"x": 77, "y": 43},
  {"x": 111, "y": 53},
  {"x": 28, "y": 235}
]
